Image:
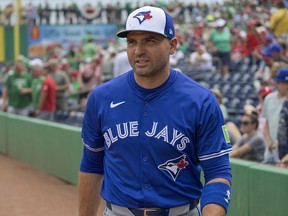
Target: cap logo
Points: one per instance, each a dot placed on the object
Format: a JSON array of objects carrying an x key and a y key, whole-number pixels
[{"x": 142, "y": 16}]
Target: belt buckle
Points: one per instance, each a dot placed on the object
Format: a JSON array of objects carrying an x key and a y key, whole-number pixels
[{"x": 146, "y": 211}]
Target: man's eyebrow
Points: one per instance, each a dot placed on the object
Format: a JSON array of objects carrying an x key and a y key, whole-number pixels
[
  {"x": 148, "y": 37},
  {"x": 156, "y": 37}
]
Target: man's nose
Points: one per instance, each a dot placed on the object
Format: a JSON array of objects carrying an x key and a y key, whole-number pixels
[{"x": 139, "y": 49}]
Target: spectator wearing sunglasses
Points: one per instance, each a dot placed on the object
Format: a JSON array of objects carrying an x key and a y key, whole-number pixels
[{"x": 251, "y": 145}]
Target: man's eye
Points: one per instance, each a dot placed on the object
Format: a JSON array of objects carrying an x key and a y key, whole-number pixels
[
  {"x": 151, "y": 40},
  {"x": 130, "y": 42}
]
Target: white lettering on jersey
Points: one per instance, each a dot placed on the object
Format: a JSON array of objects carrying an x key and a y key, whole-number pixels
[
  {"x": 163, "y": 133},
  {"x": 113, "y": 139},
  {"x": 130, "y": 129},
  {"x": 176, "y": 136},
  {"x": 122, "y": 136},
  {"x": 153, "y": 131},
  {"x": 134, "y": 128},
  {"x": 182, "y": 146},
  {"x": 107, "y": 139}
]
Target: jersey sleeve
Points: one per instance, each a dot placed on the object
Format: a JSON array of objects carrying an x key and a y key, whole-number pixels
[
  {"x": 93, "y": 151},
  {"x": 213, "y": 142}
]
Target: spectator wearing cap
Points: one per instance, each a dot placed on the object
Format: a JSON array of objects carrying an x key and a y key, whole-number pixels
[
  {"x": 219, "y": 43},
  {"x": 251, "y": 145},
  {"x": 278, "y": 20},
  {"x": 279, "y": 60},
  {"x": 282, "y": 135},
  {"x": 272, "y": 60},
  {"x": 36, "y": 68},
  {"x": 265, "y": 90},
  {"x": 15, "y": 101},
  {"x": 266, "y": 62},
  {"x": 47, "y": 99},
  {"x": 276, "y": 53},
  {"x": 272, "y": 105},
  {"x": 200, "y": 58}
]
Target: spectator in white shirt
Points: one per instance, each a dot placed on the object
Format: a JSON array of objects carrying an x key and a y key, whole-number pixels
[{"x": 200, "y": 58}]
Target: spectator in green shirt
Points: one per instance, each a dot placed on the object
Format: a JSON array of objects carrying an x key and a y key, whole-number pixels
[
  {"x": 89, "y": 49},
  {"x": 15, "y": 100},
  {"x": 36, "y": 68},
  {"x": 220, "y": 44}
]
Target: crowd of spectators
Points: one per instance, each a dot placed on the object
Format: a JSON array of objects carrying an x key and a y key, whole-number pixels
[{"x": 212, "y": 38}]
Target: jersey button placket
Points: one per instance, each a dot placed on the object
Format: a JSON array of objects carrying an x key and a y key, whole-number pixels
[
  {"x": 145, "y": 113},
  {"x": 145, "y": 159}
]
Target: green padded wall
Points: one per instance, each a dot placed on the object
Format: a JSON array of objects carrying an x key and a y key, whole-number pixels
[
  {"x": 3, "y": 133},
  {"x": 268, "y": 191},
  {"x": 52, "y": 147},
  {"x": 239, "y": 205}
]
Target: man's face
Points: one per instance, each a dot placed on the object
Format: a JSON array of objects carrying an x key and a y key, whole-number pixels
[
  {"x": 246, "y": 125},
  {"x": 282, "y": 88},
  {"x": 149, "y": 53},
  {"x": 275, "y": 55},
  {"x": 36, "y": 71},
  {"x": 19, "y": 66}
]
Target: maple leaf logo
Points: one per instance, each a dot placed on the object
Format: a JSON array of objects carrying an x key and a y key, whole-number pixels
[{"x": 182, "y": 164}]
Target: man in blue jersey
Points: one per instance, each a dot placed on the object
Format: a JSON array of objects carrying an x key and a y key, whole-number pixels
[{"x": 148, "y": 133}]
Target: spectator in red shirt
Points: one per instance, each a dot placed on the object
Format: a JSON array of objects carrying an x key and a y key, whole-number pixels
[
  {"x": 47, "y": 100},
  {"x": 253, "y": 37},
  {"x": 239, "y": 47}
]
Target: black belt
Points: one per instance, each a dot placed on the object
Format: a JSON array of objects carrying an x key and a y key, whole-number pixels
[{"x": 154, "y": 211}]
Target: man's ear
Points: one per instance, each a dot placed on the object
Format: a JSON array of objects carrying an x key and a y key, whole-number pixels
[{"x": 173, "y": 45}]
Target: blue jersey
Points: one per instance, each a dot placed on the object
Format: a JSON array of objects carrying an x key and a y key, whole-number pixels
[{"x": 151, "y": 144}]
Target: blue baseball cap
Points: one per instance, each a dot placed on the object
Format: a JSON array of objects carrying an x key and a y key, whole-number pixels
[
  {"x": 275, "y": 47},
  {"x": 282, "y": 75},
  {"x": 149, "y": 19},
  {"x": 265, "y": 52}
]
